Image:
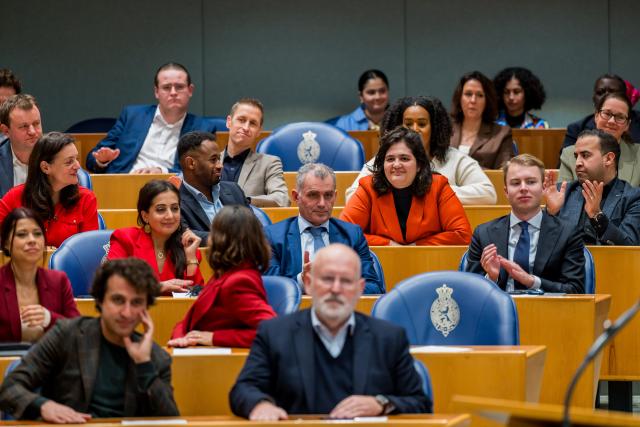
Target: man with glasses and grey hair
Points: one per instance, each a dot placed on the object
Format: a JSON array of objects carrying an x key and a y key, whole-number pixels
[
  {"x": 145, "y": 137},
  {"x": 295, "y": 240}
]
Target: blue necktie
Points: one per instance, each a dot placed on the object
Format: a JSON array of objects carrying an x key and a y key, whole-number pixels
[
  {"x": 318, "y": 243},
  {"x": 521, "y": 254}
]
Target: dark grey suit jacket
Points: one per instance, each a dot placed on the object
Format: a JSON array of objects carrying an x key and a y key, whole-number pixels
[
  {"x": 6, "y": 166},
  {"x": 559, "y": 259},
  {"x": 622, "y": 207},
  {"x": 193, "y": 216},
  {"x": 281, "y": 366},
  {"x": 64, "y": 363}
]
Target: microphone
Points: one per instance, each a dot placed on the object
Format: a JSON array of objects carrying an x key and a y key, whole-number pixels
[{"x": 596, "y": 347}]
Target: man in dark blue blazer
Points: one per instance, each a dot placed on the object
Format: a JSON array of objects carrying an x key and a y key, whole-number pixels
[
  {"x": 528, "y": 248},
  {"x": 605, "y": 207},
  {"x": 328, "y": 359},
  {"x": 20, "y": 122},
  {"x": 202, "y": 194},
  {"x": 145, "y": 137},
  {"x": 292, "y": 242}
]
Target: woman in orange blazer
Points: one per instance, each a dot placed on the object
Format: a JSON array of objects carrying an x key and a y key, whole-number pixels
[
  {"x": 171, "y": 252},
  {"x": 234, "y": 302},
  {"x": 32, "y": 298},
  {"x": 403, "y": 203}
]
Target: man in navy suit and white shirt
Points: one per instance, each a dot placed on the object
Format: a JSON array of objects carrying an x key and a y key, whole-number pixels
[
  {"x": 145, "y": 137},
  {"x": 295, "y": 240},
  {"x": 328, "y": 359},
  {"x": 528, "y": 249},
  {"x": 20, "y": 121}
]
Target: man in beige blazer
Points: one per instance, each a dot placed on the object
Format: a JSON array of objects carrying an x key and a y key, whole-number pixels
[{"x": 259, "y": 175}]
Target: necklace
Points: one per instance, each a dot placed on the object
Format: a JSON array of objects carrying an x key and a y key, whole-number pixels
[{"x": 160, "y": 254}]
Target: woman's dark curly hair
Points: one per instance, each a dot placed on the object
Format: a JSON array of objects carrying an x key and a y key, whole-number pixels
[
  {"x": 173, "y": 246},
  {"x": 438, "y": 116},
  {"x": 37, "y": 189},
  {"x": 422, "y": 182},
  {"x": 236, "y": 236},
  {"x": 534, "y": 94},
  {"x": 490, "y": 113}
]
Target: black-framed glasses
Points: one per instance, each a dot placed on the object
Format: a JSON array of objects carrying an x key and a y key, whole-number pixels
[{"x": 618, "y": 118}]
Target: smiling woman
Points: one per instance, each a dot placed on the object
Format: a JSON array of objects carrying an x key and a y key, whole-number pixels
[
  {"x": 402, "y": 203},
  {"x": 373, "y": 89},
  {"x": 52, "y": 190}
]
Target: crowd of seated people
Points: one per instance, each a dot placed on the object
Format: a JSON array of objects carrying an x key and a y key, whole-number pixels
[{"x": 430, "y": 163}]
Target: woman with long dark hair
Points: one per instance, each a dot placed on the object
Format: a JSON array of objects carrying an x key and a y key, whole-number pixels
[
  {"x": 160, "y": 240},
  {"x": 34, "y": 298},
  {"x": 234, "y": 302},
  {"x": 52, "y": 190}
]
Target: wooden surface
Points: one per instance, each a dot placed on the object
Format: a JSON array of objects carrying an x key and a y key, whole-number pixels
[
  {"x": 545, "y": 144},
  {"x": 482, "y": 368},
  {"x": 567, "y": 326},
  {"x": 120, "y": 191},
  {"x": 517, "y": 413},
  {"x": 85, "y": 143},
  {"x": 405, "y": 420}
]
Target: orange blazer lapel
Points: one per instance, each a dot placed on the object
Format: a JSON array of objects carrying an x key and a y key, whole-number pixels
[
  {"x": 415, "y": 220},
  {"x": 389, "y": 217}
]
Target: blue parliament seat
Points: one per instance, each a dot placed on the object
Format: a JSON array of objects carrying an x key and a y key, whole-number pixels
[
  {"x": 451, "y": 308},
  {"x": 377, "y": 267},
  {"x": 313, "y": 142},
  {"x": 261, "y": 215},
  {"x": 426, "y": 379},
  {"x": 283, "y": 294},
  {"x": 95, "y": 125}
]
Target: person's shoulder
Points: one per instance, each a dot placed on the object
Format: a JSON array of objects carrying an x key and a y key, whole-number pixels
[
  {"x": 52, "y": 275},
  {"x": 583, "y": 123},
  {"x": 230, "y": 185},
  {"x": 281, "y": 226},
  {"x": 138, "y": 108},
  {"x": 80, "y": 324},
  {"x": 127, "y": 232},
  {"x": 628, "y": 190},
  {"x": 15, "y": 192},
  {"x": 85, "y": 192},
  {"x": 276, "y": 325},
  {"x": 265, "y": 158}
]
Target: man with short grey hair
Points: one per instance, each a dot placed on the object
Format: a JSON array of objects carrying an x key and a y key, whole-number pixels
[{"x": 295, "y": 240}]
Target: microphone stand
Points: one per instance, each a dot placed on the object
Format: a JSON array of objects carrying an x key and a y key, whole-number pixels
[{"x": 596, "y": 347}]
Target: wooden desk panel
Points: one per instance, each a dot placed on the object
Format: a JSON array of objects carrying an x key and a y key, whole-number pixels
[
  {"x": 120, "y": 191},
  {"x": 482, "y": 370},
  {"x": 567, "y": 326},
  {"x": 545, "y": 144},
  {"x": 85, "y": 143}
]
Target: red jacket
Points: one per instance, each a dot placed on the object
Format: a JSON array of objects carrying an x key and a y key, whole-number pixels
[
  {"x": 54, "y": 293},
  {"x": 437, "y": 218},
  {"x": 83, "y": 216},
  {"x": 231, "y": 307},
  {"x": 133, "y": 241}
]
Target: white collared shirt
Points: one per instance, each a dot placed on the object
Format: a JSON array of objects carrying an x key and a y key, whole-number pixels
[
  {"x": 159, "y": 147},
  {"x": 333, "y": 343},
  {"x": 306, "y": 242},
  {"x": 19, "y": 170},
  {"x": 514, "y": 234}
]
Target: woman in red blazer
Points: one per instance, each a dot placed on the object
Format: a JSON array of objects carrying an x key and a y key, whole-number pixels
[
  {"x": 234, "y": 302},
  {"x": 172, "y": 253},
  {"x": 52, "y": 190},
  {"x": 33, "y": 298},
  {"x": 403, "y": 203}
]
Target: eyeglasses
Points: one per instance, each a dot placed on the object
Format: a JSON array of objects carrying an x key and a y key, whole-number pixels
[{"x": 618, "y": 118}]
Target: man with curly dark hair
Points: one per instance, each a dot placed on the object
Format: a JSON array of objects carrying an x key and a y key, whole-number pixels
[{"x": 97, "y": 367}]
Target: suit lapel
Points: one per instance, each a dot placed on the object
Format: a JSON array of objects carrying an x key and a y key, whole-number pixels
[
  {"x": 7, "y": 284},
  {"x": 303, "y": 342},
  {"x": 334, "y": 235},
  {"x": 6, "y": 164},
  {"x": 148, "y": 253},
  {"x": 481, "y": 139},
  {"x": 547, "y": 240},
  {"x": 362, "y": 344},
  {"x": 387, "y": 214},
  {"x": 294, "y": 246},
  {"x": 44, "y": 290},
  {"x": 88, "y": 344},
  {"x": 415, "y": 219},
  {"x": 191, "y": 203},
  {"x": 613, "y": 198},
  {"x": 247, "y": 167},
  {"x": 500, "y": 230}
]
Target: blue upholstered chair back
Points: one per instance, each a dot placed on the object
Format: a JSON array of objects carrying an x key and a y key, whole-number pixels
[
  {"x": 220, "y": 122},
  {"x": 451, "y": 308},
  {"x": 377, "y": 267},
  {"x": 101, "y": 224},
  {"x": 261, "y": 215},
  {"x": 313, "y": 142},
  {"x": 96, "y": 125},
  {"x": 80, "y": 256},
  {"x": 589, "y": 270},
  {"x": 84, "y": 179},
  {"x": 426, "y": 379},
  {"x": 283, "y": 294}
]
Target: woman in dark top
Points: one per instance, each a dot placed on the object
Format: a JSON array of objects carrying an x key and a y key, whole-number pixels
[
  {"x": 475, "y": 133},
  {"x": 403, "y": 203}
]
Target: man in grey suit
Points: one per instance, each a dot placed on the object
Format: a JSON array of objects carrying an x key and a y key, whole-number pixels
[
  {"x": 605, "y": 207},
  {"x": 259, "y": 175},
  {"x": 97, "y": 367},
  {"x": 528, "y": 249},
  {"x": 20, "y": 121}
]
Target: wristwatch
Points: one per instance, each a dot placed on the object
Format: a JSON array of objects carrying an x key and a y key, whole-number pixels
[
  {"x": 384, "y": 402},
  {"x": 599, "y": 222}
]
